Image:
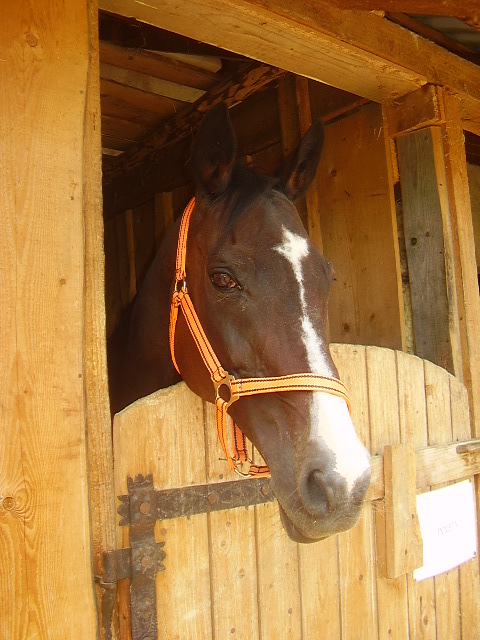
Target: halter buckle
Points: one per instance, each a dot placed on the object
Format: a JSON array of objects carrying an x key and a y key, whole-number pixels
[
  {"x": 183, "y": 287},
  {"x": 226, "y": 381}
]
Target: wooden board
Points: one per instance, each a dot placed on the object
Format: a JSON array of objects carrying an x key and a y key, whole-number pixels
[
  {"x": 358, "y": 228},
  {"x": 45, "y": 535},
  {"x": 428, "y": 239},
  {"x": 147, "y": 440}
]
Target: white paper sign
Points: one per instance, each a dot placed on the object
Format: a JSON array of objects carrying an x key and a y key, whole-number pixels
[{"x": 447, "y": 523}]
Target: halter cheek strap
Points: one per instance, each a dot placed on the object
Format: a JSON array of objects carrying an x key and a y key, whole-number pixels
[{"x": 232, "y": 387}]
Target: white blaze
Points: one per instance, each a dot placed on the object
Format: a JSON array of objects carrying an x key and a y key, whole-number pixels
[{"x": 329, "y": 416}]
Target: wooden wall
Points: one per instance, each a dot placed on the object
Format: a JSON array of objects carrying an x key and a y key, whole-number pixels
[{"x": 45, "y": 537}]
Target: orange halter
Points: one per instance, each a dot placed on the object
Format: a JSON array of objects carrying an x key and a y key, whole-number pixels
[{"x": 237, "y": 387}]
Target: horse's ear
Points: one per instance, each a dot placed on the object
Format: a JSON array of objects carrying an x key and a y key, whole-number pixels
[
  {"x": 214, "y": 151},
  {"x": 297, "y": 172}
]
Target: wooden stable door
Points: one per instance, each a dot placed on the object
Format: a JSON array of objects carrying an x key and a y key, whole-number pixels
[{"x": 235, "y": 574}]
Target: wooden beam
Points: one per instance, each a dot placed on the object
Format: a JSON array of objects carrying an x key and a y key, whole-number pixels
[
  {"x": 295, "y": 39},
  {"x": 428, "y": 237},
  {"x": 457, "y": 8},
  {"x": 248, "y": 80},
  {"x": 356, "y": 51}
]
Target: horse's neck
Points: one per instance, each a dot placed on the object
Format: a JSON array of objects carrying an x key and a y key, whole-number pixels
[{"x": 140, "y": 351}]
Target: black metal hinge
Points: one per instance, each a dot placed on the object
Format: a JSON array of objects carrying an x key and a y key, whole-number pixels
[{"x": 140, "y": 562}]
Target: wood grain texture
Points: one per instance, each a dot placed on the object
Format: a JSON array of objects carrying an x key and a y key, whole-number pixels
[
  {"x": 164, "y": 450},
  {"x": 237, "y": 570},
  {"x": 45, "y": 537},
  {"x": 426, "y": 217},
  {"x": 357, "y": 219}
]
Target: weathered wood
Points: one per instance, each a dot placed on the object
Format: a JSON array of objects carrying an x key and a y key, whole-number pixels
[
  {"x": 404, "y": 551},
  {"x": 46, "y": 134},
  {"x": 426, "y": 216},
  {"x": 465, "y": 266},
  {"x": 358, "y": 223}
]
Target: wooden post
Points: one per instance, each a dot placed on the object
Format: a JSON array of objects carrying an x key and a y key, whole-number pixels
[
  {"x": 45, "y": 536},
  {"x": 404, "y": 550},
  {"x": 428, "y": 237}
]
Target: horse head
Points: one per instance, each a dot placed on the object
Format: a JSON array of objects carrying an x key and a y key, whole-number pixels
[{"x": 260, "y": 289}]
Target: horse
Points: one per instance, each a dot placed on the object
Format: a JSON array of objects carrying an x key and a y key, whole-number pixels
[{"x": 258, "y": 288}]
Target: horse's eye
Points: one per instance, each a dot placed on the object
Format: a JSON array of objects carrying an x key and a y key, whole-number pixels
[{"x": 223, "y": 280}]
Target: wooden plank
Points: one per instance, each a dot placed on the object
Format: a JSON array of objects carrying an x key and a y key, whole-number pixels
[
  {"x": 150, "y": 84},
  {"x": 385, "y": 429},
  {"x": 469, "y": 572},
  {"x": 319, "y": 586},
  {"x": 404, "y": 551},
  {"x": 358, "y": 224},
  {"x": 467, "y": 283},
  {"x": 233, "y": 561},
  {"x": 45, "y": 535},
  {"x": 157, "y": 65},
  {"x": 473, "y": 172},
  {"x": 426, "y": 217},
  {"x": 458, "y": 8},
  {"x": 279, "y": 594},
  {"x": 161, "y": 448},
  {"x": 357, "y": 561},
  {"x": 437, "y": 386},
  {"x": 413, "y": 429},
  {"x": 290, "y": 128}
]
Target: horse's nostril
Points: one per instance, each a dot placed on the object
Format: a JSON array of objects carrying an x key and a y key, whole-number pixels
[{"x": 320, "y": 494}]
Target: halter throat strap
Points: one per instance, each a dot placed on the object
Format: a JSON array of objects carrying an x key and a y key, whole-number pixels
[{"x": 229, "y": 389}]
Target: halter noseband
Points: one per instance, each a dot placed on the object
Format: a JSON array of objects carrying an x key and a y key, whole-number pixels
[{"x": 220, "y": 378}]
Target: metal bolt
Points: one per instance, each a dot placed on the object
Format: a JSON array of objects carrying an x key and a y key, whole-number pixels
[
  {"x": 265, "y": 490},
  {"x": 144, "y": 508},
  {"x": 212, "y": 497},
  {"x": 146, "y": 562}
]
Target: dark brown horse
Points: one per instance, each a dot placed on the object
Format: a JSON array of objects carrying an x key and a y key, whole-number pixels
[{"x": 260, "y": 291}]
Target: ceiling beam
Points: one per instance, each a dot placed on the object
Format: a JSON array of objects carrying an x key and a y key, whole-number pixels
[
  {"x": 356, "y": 51},
  {"x": 282, "y": 35}
]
